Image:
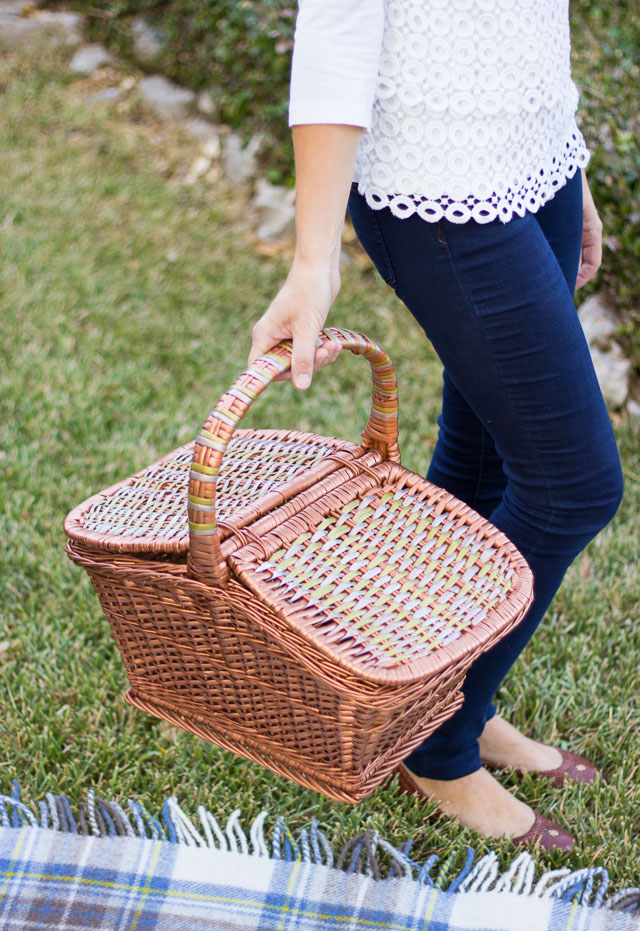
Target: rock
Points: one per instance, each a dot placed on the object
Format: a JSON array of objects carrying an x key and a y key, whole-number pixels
[
  {"x": 71, "y": 25},
  {"x": 240, "y": 163},
  {"x": 167, "y": 100},
  {"x": 107, "y": 93},
  {"x": 205, "y": 103},
  {"x": 599, "y": 323},
  {"x": 15, "y": 7},
  {"x": 613, "y": 371},
  {"x": 206, "y": 134},
  {"x": 199, "y": 167},
  {"x": 598, "y": 320},
  {"x": 89, "y": 58},
  {"x": 148, "y": 41},
  {"x": 276, "y": 208},
  {"x": 60, "y": 29},
  {"x": 633, "y": 407},
  {"x": 211, "y": 147}
]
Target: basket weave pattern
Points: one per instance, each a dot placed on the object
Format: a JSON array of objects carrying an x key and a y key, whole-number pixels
[
  {"x": 323, "y": 628},
  {"x": 228, "y": 669},
  {"x": 146, "y": 513}
]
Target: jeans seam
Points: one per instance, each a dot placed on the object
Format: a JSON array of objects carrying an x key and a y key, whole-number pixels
[
  {"x": 480, "y": 467},
  {"x": 472, "y": 304},
  {"x": 391, "y": 280}
]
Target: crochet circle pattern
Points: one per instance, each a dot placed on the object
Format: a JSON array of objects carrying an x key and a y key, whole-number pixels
[{"x": 473, "y": 116}]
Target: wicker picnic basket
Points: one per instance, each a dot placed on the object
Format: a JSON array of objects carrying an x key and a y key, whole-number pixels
[{"x": 319, "y": 609}]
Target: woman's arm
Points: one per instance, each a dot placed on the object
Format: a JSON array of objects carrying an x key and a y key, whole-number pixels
[
  {"x": 324, "y": 164},
  {"x": 334, "y": 71}
]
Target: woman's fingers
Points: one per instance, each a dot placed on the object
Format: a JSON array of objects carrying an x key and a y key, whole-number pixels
[
  {"x": 591, "y": 237},
  {"x": 591, "y": 256},
  {"x": 298, "y": 312},
  {"x": 323, "y": 356}
]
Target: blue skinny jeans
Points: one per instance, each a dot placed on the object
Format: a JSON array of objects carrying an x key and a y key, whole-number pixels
[{"x": 524, "y": 434}]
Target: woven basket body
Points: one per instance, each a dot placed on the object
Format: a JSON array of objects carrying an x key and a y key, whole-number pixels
[{"x": 324, "y": 626}]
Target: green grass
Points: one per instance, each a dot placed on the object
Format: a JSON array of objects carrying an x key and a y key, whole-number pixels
[{"x": 110, "y": 355}]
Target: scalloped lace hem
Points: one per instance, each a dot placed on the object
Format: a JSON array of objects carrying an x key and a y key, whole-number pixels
[{"x": 535, "y": 191}]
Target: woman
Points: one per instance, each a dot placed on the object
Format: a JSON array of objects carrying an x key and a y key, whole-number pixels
[{"x": 456, "y": 120}]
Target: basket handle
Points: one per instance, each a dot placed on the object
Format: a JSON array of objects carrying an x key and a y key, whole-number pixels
[{"x": 205, "y": 562}]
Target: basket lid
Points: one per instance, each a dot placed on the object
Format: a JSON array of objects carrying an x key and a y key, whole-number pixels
[
  {"x": 147, "y": 512},
  {"x": 391, "y": 576}
]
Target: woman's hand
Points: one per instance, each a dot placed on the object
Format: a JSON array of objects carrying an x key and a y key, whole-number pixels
[
  {"x": 324, "y": 157},
  {"x": 591, "y": 237},
  {"x": 298, "y": 312}
]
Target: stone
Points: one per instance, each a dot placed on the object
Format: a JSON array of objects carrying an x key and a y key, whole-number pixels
[
  {"x": 598, "y": 320},
  {"x": 167, "y": 100},
  {"x": 613, "y": 371},
  {"x": 89, "y": 58},
  {"x": 276, "y": 208},
  {"x": 207, "y": 135},
  {"x": 633, "y": 407},
  {"x": 211, "y": 147},
  {"x": 205, "y": 103},
  {"x": 15, "y": 7},
  {"x": 200, "y": 167},
  {"x": 240, "y": 162},
  {"x": 599, "y": 323},
  {"x": 148, "y": 42},
  {"x": 107, "y": 93},
  {"x": 19, "y": 33},
  {"x": 72, "y": 25}
]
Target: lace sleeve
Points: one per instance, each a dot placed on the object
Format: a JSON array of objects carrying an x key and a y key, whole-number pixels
[{"x": 336, "y": 55}]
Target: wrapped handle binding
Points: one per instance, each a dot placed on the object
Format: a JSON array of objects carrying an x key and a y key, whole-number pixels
[{"x": 205, "y": 561}]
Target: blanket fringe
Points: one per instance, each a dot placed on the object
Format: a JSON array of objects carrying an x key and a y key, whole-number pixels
[{"x": 366, "y": 853}]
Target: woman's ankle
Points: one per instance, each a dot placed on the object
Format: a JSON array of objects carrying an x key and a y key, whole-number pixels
[
  {"x": 501, "y": 744},
  {"x": 478, "y": 801}
]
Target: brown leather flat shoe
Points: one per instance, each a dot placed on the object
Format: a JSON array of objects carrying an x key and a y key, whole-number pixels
[
  {"x": 546, "y": 834},
  {"x": 573, "y": 767},
  {"x": 543, "y": 833}
]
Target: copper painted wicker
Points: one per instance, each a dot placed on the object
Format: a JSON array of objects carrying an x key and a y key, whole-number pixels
[{"x": 319, "y": 609}]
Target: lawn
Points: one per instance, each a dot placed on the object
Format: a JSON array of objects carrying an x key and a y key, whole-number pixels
[{"x": 127, "y": 300}]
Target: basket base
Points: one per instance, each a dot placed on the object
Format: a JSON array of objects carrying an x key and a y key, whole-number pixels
[{"x": 340, "y": 787}]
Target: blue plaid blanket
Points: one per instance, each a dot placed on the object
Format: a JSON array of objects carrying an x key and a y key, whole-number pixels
[{"x": 112, "y": 869}]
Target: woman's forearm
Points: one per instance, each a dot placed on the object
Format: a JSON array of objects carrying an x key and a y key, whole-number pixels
[
  {"x": 324, "y": 155},
  {"x": 334, "y": 71}
]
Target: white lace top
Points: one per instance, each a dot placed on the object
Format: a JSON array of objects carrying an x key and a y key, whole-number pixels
[{"x": 469, "y": 105}]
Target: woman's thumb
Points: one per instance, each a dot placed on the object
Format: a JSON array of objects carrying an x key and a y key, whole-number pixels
[{"x": 261, "y": 342}]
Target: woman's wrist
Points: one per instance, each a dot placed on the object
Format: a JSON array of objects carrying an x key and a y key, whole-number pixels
[
  {"x": 318, "y": 245},
  {"x": 316, "y": 260}
]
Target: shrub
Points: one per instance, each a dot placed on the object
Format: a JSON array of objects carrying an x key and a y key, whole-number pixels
[
  {"x": 241, "y": 50},
  {"x": 606, "y": 42}
]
